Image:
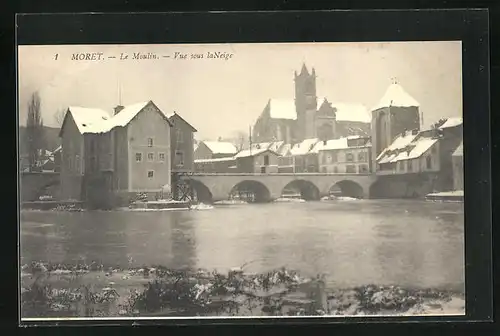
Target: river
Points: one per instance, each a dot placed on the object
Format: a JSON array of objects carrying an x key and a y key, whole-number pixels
[{"x": 408, "y": 243}]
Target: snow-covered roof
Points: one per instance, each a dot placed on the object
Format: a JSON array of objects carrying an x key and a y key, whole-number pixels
[
  {"x": 303, "y": 147},
  {"x": 275, "y": 146},
  {"x": 452, "y": 122},
  {"x": 221, "y": 147},
  {"x": 225, "y": 159},
  {"x": 421, "y": 146},
  {"x": 127, "y": 114},
  {"x": 253, "y": 152},
  {"x": 284, "y": 150},
  {"x": 460, "y": 150},
  {"x": 282, "y": 109},
  {"x": 400, "y": 142},
  {"x": 89, "y": 120},
  {"x": 415, "y": 150},
  {"x": 351, "y": 112},
  {"x": 396, "y": 96},
  {"x": 261, "y": 145},
  {"x": 387, "y": 158}
]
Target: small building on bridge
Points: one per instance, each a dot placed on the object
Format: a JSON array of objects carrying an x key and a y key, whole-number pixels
[
  {"x": 348, "y": 155},
  {"x": 257, "y": 161},
  {"x": 207, "y": 150}
]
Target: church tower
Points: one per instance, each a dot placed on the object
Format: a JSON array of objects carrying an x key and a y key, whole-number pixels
[
  {"x": 305, "y": 104},
  {"x": 396, "y": 113}
]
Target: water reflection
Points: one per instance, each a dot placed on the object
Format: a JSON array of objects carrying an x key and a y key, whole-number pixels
[{"x": 353, "y": 243}]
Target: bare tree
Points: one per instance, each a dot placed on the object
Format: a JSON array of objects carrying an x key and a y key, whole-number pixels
[
  {"x": 34, "y": 131},
  {"x": 59, "y": 116}
]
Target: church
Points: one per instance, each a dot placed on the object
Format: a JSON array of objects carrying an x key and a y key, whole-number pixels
[{"x": 309, "y": 116}]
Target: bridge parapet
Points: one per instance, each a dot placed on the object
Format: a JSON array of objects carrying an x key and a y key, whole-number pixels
[{"x": 220, "y": 185}]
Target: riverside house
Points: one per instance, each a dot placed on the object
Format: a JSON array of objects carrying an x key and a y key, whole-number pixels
[
  {"x": 108, "y": 159},
  {"x": 207, "y": 150},
  {"x": 182, "y": 144},
  {"x": 347, "y": 155}
]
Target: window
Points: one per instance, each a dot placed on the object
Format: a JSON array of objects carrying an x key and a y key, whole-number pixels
[
  {"x": 363, "y": 169},
  {"x": 362, "y": 157},
  {"x": 180, "y": 137},
  {"x": 335, "y": 169},
  {"x": 329, "y": 159},
  {"x": 150, "y": 142},
  {"x": 349, "y": 157},
  {"x": 266, "y": 160},
  {"x": 323, "y": 170},
  {"x": 428, "y": 161},
  {"x": 408, "y": 165},
  {"x": 350, "y": 169},
  {"x": 161, "y": 157},
  {"x": 151, "y": 157},
  {"x": 151, "y": 173},
  {"x": 138, "y": 157},
  {"x": 179, "y": 158}
]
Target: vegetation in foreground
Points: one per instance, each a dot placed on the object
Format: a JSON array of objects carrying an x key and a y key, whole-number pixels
[{"x": 91, "y": 291}]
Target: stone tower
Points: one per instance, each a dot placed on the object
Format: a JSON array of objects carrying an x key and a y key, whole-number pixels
[
  {"x": 305, "y": 104},
  {"x": 396, "y": 112}
]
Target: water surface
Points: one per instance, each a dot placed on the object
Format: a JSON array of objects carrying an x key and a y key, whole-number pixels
[{"x": 418, "y": 244}]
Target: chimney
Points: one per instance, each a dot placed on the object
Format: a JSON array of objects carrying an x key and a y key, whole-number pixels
[
  {"x": 118, "y": 108},
  {"x": 324, "y": 142}
]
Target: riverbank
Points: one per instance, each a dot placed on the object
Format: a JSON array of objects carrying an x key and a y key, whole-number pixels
[{"x": 92, "y": 291}]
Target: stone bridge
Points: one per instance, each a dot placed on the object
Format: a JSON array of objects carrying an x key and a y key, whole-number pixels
[
  {"x": 268, "y": 187},
  {"x": 36, "y": 184}
]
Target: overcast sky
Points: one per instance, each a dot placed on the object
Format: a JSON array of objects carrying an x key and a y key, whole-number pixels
[{"x": 219, "y": 97}]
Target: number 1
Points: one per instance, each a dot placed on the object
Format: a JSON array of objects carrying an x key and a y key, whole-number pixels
[{"x": 56, "y": 57}]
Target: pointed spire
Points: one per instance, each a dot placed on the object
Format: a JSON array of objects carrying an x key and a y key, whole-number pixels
[
  {"x": 313, "y": 72},
  {"x": 304, "y": 69}
]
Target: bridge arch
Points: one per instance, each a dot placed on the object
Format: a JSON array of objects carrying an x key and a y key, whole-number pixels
[
  {"x": 251, "y": 191},
  {"x": 201, "y": 192},
  {"x": 347, "y": 188},
  {"x": 378, "y": 189},
  {"x": 308, "y": 191}
]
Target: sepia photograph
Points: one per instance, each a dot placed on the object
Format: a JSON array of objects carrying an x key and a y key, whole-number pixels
[{"x": 248, "y": 180}]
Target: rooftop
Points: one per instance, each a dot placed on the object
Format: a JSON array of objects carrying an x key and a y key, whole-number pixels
[
  {"x": 221, "y": 147},
  {"x": 226, "y": 159},
  {"x": 452, "y": 122},
  {"x": 396, "y": 96},
  {"x": 303, "y": 147},
  {"x": 282, "y": 109},
  {"x": 252, "y": 152},
  {"x": 351, "y": 112},
  {"x": 92, "y": 120}
]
